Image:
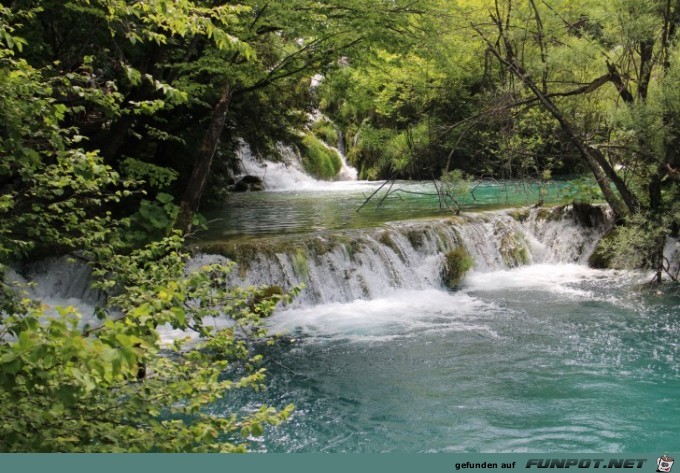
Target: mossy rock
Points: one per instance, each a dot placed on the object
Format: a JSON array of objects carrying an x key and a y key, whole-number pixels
[
  {"x": 325, "y": 130},
  {"x": 221, "y": 248},
  {"x": 249, "y": 184},
  {"x": 385, "y": 238},
  {"x": 320, "y": 246},
  {"x": 521, "y": 215},
  {"x": 457, "y": 263},
  {"x": 588, "y": 216},
  {"x": 300, "y": 265},
  {"x": 513, "y": 249},
  {"x": 416, "y": 237},
  {"x": 554, "y": 214},
  {"x": 319, "y": 160},
  {"x": 600, "y": 257}
]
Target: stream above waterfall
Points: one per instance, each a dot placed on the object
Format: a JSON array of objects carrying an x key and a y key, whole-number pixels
[{"x": 293, "y": 205}]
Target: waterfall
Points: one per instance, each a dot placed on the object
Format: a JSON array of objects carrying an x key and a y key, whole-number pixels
[
  {"x": 58, "y": 282},
  {"x": 365, "y": 264},
  {"x": 288, "y": 174},
  {"x": 672, "y": 254},
  {"x": 347, "y": 171}
]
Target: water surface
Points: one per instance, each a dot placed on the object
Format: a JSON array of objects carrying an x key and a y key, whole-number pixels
[
  {"x": 338, "y": 205},
  {"x": 545, "y": 358}
]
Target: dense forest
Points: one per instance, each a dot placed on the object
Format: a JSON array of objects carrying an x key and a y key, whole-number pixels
[{"x": 121, "y": 120}]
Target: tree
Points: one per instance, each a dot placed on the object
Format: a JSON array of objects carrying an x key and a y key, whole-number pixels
[
  {"x": 548, "y": 47},
  {"x": 107, "y": 382},
  {"x": 165, "y": 77},
  {"x": 316, "y": 35}
]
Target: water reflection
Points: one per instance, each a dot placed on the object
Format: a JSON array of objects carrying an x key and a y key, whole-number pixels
[{"x": 337, "y": 205}]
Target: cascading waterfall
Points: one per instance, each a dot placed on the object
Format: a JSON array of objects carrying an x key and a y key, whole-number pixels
[
  {"x": 283, "y": 175},
  {"x": 343, "y": 266},
  {"x": 288, "y": 174},
  {"x": 365, "y": 264}
]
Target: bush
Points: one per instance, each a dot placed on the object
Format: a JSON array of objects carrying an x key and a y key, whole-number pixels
[
  {"x": 457, "y": 263},
  {"x": 114, "y": 386},
  {"x": 325, "y": 131}
]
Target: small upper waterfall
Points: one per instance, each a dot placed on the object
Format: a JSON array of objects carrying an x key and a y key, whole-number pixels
[
  {"x": 288, "y": 174},
  {"x": 284, "y": 175},
  {"x": 347, "y": 265}
]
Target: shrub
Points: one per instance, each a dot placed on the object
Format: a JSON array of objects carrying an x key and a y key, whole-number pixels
[{"x": 457, "y": 263}]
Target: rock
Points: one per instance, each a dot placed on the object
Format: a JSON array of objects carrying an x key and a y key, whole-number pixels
[
  {"x": 457, "y": 263},
  {"x": 600, "y": 257},
  {"x": 589, "y": 216},
  {"x": 249, "y": 184}
]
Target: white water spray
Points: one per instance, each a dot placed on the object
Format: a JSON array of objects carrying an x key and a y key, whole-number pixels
[
  {"x": 288, "y": 174},
  {"x": 339, "y": 267}
]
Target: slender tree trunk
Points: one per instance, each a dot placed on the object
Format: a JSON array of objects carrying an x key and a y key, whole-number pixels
[
  {"x": 203, "y": 162},
  {"x": 604, "y": 174},
  {"x": 646, "y": 65},
  {"x": 115, "y": 138}
]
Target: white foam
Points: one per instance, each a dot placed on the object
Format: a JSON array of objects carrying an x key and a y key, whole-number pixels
[
  {"x": 288, "y": 175},
  {"x": 550, "y": 278},
  {"x": 402, "y": 314}
]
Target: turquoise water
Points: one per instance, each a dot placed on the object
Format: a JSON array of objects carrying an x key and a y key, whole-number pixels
[
  {"x": 545, "y": 358},
  {"x": 541, "y": 358},
  {"x": 337, "y": 205}
]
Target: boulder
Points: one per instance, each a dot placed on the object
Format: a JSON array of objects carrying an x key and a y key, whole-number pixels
[{"x": 249, "y": 184}]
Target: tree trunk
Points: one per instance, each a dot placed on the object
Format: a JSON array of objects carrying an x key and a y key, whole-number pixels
[
  {"x": 109, "y": 143},
  {"x": 199, "y": 176},
  {"x": 604, "y": 174}
]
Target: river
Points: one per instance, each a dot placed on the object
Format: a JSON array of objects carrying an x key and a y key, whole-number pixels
[{"x": 533, "y": 352}]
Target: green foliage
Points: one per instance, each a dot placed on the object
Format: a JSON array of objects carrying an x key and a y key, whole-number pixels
[
  {"x": 457, "y": 263},
  {"x": 153, "y": 220},
  {"x": 454, "y": 186},
  {"x": 157, "y": 177},
  {"x": 109, "y": 382},
  {"x": 366, "y": 152},
  {"x": 73, "y": 387},
  {"x": 146, "y": 75},
  {"x": 325, "y": 130},
  {"x": 631, "y": 246},
  {"x": 8, "y": 39},
  {"x": 319, "y": 160},
  {"x": 582, "y": 190},
  {"x": 456, "y": 183},
  {"x": 50, "y": 184}
]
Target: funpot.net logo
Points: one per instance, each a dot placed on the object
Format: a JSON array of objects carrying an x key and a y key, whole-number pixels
[{"x": 664, "y": 464}]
